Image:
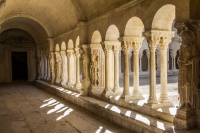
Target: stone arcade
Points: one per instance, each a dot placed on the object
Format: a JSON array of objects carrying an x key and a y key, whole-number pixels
[{"x": 80, "y": 49}]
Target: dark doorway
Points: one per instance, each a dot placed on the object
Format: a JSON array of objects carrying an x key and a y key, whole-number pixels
[{"x": 19, "y": 66}]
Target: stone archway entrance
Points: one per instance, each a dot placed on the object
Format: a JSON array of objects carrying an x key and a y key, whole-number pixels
[{"x": 19, "y": 66}]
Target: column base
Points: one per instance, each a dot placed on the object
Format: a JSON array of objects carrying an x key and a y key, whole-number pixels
[
  {"x": 106, "y": 93},
  {"x": 85, "y": 87},
  {"x": 70, "y": 84},
  {"x": 116, "y": 89},
  {"x": 185, "y": 119},
  {"x": 78, "y": 85},
  {"x": 124, "y": 95},
  {"x": 152, "y": 101},
  {"x": 58, "y": 81},
  {"x": 63, "y": 83},
  {"x": 137, "y": 96},
  {"x": 164, "y": 99}
]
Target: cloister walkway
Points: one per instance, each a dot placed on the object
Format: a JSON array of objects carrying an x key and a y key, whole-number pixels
[{"x": 27, "y": 109}]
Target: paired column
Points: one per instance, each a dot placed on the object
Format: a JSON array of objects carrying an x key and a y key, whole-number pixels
[
  {"x": 136, "y": 45},
  {"x": 116, "y": 49},
  {"x": 52, "y": 68},
  {"x": 58, "y": 67},
  {"x": 69, "y": 55},
  {"x": 107, "y": 51},
  {"x": 164, "y": 42},
  {"x": 140, "y": 55},
  {"x": 152, "y": 39},
  {"x": 48, "y": 66},
  {"x": 63, "y": 76},
  {"x": 77, "y": 54},
  {"x": 125, "y": 48}
]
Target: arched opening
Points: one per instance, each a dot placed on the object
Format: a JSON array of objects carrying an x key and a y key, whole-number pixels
[
  {"x": 112, "y": 33},
  {"x": 96, "y": 37},
  {"x": 16, "y": 51},
  {"x": 144, "y": 61},
  {"x": 164, "y": 18},
  {"x": 63, "y": 46}
]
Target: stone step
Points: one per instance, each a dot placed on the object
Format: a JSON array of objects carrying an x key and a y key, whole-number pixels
[{"x": 127, "y": 118}]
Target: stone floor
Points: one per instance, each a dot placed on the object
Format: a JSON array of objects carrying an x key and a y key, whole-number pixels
[{"x": 26, "y": 109}]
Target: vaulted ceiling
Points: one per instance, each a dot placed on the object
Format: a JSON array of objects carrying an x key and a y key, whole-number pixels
[{"x": 50, "y": 18}]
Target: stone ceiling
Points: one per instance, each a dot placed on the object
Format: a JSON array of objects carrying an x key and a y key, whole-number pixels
[{"x": 54, "y": 17}]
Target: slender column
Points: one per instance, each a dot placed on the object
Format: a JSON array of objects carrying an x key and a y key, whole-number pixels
[
  {"x": 140, "y": 62},
  {"x": 69, "y": 54},
  {"x": 164, "y": 42},
  {"x": 152, "y": 39},
  {"x": 45, "y": 66},
  {"x": 148, "y": 56},
  {"x": 174, "y": 62},
  {"x": 38, "y": 67},
  {"x": 52, "y": 70},
  {"x": 125, "y": 49},
  {"x": 58, "y": 64},
  {"x": 77, "y": 54},
  {"x": 137, "y": 43},
  {"x": 116, "y": 67},
  {"x": 107, "y": 50},
  {"x": 48, "y": 66},
  {"x": 63, "y": 76}
]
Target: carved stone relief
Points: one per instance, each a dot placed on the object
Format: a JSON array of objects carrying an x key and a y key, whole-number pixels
[{"x": 94, "y": 70}]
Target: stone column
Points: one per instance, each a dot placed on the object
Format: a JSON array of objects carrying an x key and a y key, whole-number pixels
[
  {"x": 108, "y": 50},
  {"x": 58, "y": 65},
  {"x": 38, "y": 67},
  {"x": 174, "y": 62},
  {"x": 45, "y": 66},
  {"x": 140, "y": 56},
  {"x": 116, "y": 67},
  {"x": 48, "y": 67},
  {"x": 152, "y": 39},
  {"x": 52, "y": 67},
  {"x": 148, "y": 56},
  {"x": 77, "y": 54},
  {"x": 69, "y": 55},
  {"x": 136, "y": 45},
  {"x": 63, "y": 76},
  {"x": 164, "y": 42},
  {"x": 125, "y": 48},
  {"x": 84, "y": 69}
]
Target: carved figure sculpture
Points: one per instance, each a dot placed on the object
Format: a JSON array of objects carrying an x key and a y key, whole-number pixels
[
  {"x": 188, "y": 64},
  {"x": 58, "y": 68},
  {"x": 94, "y": 70}
]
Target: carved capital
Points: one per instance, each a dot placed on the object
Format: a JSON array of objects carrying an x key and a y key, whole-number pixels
[
  {"x": 155, "y": 37},
  {"x": 116, "y": 49},
  {"x": 107, "y": 47},
  {"x": 69, "y": 53},
  {"x": 63, "y": 53}
]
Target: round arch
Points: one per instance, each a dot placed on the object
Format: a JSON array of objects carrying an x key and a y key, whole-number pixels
[
  {"x": 70, "y": 44},
  {"x": 63, "y": 46},
  {"x": 8, "y": 17},
  {"x": 96, "y": 37},
  {"x": 134, "y": 27},
  {"x": 77, "y": 42},
  {"x": 164, "y": 17},
  {"x": 112, "y": 33},
  {"x": 57, "y": 48}
]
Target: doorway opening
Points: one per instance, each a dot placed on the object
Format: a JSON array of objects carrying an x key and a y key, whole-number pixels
[{"x": 19, "y": 66}]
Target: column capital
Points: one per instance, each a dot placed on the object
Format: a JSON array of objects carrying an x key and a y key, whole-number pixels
[
  {"x": 107, "y": 47},
  {"x": 69, "y": 53},
  {"x": 165, "y": 39},
  {"x": 95, "y": 46},
  {"x": 116, "y": 49},
  {"x": 62, "y": 53},
  {"x": 155, "y": 37}
]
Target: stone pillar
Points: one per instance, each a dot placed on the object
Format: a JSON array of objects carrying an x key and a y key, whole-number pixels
[
  {"x": 136, "y": 45},
  {"x": 148, "y": 56},
  {"x": 188, "y": 77},
  {"x": 108, "y": 51},
  {"x": 69, "y": 56},
  {"x": 152, "y": 39},
  {"x": 48, "y": 67},
  {"x": 164, "y": 42},
  {"x": 140, "y": 56},
  {"x": 39, "y": 67},
  {"x": 58, "y": 65},
  {"x": 116, "y": 67},
  {"x": 84, "y": 70},
  {"x": 52, "y": 67},
  {"x": 125, "y": 48},
  {"x": 63, "y": 73},
  {"x": 77, "y": 54}
]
